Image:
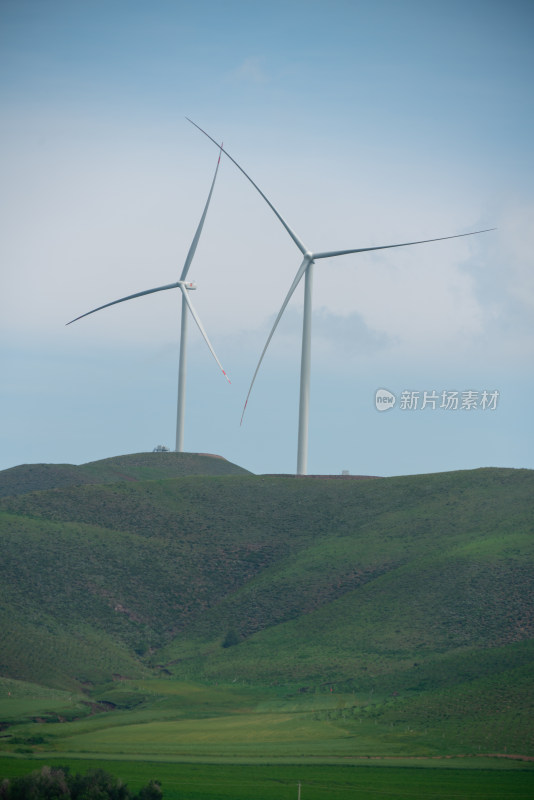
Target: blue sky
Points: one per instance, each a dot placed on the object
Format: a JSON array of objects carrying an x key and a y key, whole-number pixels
[{"x": 365, "y": 123}]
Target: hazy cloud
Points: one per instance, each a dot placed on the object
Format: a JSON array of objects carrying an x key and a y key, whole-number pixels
[{"x": 250, "y": 70}]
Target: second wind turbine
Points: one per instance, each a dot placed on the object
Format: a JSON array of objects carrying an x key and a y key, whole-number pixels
[
  {"x": 187, "y": 308},
  {"x": 306, "y": 270}
]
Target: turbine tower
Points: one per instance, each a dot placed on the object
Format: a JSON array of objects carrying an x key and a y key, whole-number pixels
[
  {"x": 306, "y": 270},
  {"x": 187, "y": 308}
]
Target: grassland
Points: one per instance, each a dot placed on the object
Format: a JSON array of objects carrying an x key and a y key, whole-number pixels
[
  {"x": 138, "y": 466},
  {"x": 275, "y": 782},
  {"x": 182, "y": 721},
  {"x": 384, "y": 618}
]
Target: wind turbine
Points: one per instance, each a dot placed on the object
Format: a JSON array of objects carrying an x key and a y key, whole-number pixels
[
  {"x": 187, "y": 307},
  {"x": 306, "y": 270}
]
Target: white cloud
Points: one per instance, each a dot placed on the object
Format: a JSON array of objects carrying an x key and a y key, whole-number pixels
[
  {"x": 81, "y": 232},
  {"x": 250, "y": 71}
]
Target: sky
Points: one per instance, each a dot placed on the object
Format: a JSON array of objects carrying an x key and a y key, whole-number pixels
[{"x": 365, "y": 123}]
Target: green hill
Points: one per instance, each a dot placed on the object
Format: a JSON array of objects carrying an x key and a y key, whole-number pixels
[
  {"x": 138, "y": 466},
  {"x": 412, "y": 596}
]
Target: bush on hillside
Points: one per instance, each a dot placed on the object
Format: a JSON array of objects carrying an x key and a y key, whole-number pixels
[
  {"x": 51, "y": 783},
  {"x": 231, "y": 639}
]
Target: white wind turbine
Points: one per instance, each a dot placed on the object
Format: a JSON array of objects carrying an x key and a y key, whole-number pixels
[
  {"x": 306, "y": 269},
  {"x": 185, "y": 287}
]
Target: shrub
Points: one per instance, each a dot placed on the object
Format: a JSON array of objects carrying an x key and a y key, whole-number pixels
[
  {"x": 231, "y": 638},
  {"x": 58, "y": 784}
]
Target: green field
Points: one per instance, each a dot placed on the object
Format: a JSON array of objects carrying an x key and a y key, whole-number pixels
[
  {"x": 276, "y": 782},
  {"x": 183, "y": 721}
]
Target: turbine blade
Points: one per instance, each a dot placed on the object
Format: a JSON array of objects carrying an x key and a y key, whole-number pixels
[
  {"x": 123, "y": 299},
  {"x": 303, "y": 249},
  {"x": 388, "y": 246},
  {"x": 202, "y": 331},
  {"x": 196, "y": 237},
  {"x": 302, "y": 269}
]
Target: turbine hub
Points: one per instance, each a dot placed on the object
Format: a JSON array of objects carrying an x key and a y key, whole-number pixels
[{"x": 189, "y": 285}]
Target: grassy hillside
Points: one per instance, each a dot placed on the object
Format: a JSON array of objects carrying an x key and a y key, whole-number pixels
[
  {"x": 345, "y": 607},
  {"x": 139, "y": 466}
]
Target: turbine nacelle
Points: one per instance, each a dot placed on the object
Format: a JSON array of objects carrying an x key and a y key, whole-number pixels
[{"x": 189, "y": 285}]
